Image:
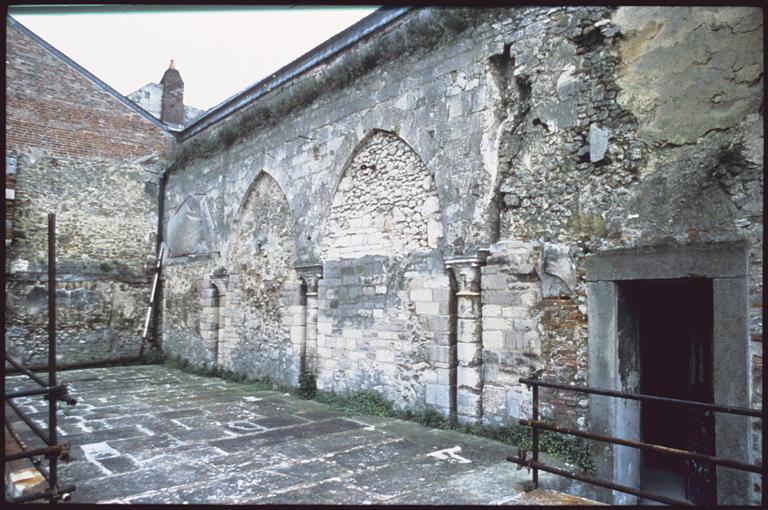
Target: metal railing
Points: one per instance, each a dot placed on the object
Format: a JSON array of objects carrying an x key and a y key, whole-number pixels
[
  {"x": 535, "y": 424},
  {"x": 53, "y": 392}
]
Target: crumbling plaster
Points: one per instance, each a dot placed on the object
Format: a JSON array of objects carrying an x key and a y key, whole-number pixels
[{"x": 667, "y": 58}]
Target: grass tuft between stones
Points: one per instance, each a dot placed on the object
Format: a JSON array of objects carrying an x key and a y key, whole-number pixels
[{"x": 572, "y": 450}]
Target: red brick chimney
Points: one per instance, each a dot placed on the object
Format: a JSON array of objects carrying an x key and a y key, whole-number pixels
[{"x": 173, "y": 96}]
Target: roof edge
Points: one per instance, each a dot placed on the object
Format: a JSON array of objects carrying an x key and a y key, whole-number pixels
[
  {"x": 332, "y": 46},
  {"x": 77, "y": 67}
]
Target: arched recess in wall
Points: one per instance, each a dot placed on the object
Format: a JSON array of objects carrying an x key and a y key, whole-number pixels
[
  {"x": 211, "y": 319},
  {"x": 260, "y": 254},
  {"x": 383, "y": 323},
  {"x": 385, "y": 203}
]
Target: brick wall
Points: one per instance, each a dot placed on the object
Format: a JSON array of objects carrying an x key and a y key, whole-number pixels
[
  {"x": 52, "y": 107},
  {"x": 563, "y": 349}
]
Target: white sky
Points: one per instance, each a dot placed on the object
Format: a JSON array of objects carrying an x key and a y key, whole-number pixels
[{"x": 217, "y": 52}]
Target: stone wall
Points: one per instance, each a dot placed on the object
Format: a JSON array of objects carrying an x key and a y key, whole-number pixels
[
  {"x": 261, "y": 257},
  {"x": 452, "y": 196},
  {"x": 96, "y": 320},
  {"x": 182, "y": 293},
  {"x": 80, "y": 153},
  {"x": 385, "y": 204},
  {"x": 377, "y": 310}
]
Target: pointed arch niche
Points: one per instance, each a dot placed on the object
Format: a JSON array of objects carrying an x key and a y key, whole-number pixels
[
  {"x": 384, "y": 314},
  {"x": 262, "y": 285},
  {"x": 385, "y": 203}
]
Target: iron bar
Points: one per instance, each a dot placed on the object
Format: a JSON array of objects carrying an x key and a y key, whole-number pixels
[
  {"x": 61, "y": 451},
  {"x": 42, "y": 434},
  {"x": 645, "y": 446},
  {"x": 25, "y": 371},
  {"x": 36, "y": 462},
  {"x": 594, "y": 481},
  {"x": 535, "y": 434},
  {"x": 15, "y": 435},
  {"x": 36, "y": 391},
  {"x": 81, "y": 364},
  {"x": 651, "y": 398},
  {"x": 52, "y": 439},
  {"x": 53, "y": 391}
]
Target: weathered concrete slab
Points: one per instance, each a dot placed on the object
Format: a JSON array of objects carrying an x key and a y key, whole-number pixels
[{"x": 149, "y": 434}]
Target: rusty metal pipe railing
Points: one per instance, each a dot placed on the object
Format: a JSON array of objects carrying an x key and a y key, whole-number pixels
[
  {"x": 25, "y": 371},
  {"x": 648, "y": 398},
  {"x": 34, "y": 391},
  {"x": 35, "y": 462},
  {"x": 61, "y": 451},
  {"x": 535, "y": 424},
  {"x": 52, "y": 425},
  {"x": 59, "y": 392},
  {"x": 594, "y": 481},
  {"x": 645, "y": 446},
  {"x": 535, "y": 435},
  {"x": 80, "y": 364}
]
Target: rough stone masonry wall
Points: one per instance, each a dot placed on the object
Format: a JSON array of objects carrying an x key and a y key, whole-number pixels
[
  {"x": 235, "y": 313},
  {"x": 655, "y": 139},
  {"x": 550, "y": 134},
  {"x": 652, "y": 139},
  {"x": 258, "y": 333},
  {"x": 81, "y": 154},
  {"x": 383, "y": 301},
  {"x": 384, "y": 205},
  {"x": 182, "y": 293}
]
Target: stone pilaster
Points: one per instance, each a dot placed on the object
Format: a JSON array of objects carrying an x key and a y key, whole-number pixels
[
  {"x": 310, "y": 275},
  {"x": 211, "y": 318},
  {"x": 469, "y": 335}
]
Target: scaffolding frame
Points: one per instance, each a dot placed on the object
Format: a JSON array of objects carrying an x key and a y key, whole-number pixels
[{"x": 53, "y": 392}]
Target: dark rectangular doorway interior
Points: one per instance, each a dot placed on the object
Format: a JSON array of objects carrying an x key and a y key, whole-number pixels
[{"x": 675, "y": 354}]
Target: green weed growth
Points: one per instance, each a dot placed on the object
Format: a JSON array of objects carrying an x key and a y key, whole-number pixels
[{"x": 572, "y": 450}]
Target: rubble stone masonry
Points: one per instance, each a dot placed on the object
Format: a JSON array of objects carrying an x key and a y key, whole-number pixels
[{"x": 80, "y": 153}]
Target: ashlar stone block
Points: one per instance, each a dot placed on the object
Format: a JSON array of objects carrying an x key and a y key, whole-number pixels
[
  {"x": 469, "y": 377},
  {"x": 493, "y": 340},
  {"x": 469, "y": 405},
  {"x": 469, "y": 353}
]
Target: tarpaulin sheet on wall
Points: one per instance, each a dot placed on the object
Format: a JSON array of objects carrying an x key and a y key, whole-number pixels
[{"x": 190, "y": 228}]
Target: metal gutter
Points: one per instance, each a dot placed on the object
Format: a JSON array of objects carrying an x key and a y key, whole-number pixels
[
  {"x": 334, "y": 45},
  {"x": 127, "y": 102}
]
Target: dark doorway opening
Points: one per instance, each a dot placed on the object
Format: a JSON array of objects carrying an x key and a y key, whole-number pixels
[{"x": 674, "y": 329}]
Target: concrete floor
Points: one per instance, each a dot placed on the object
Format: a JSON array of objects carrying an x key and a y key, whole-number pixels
[{"x": 150, "y": 434}]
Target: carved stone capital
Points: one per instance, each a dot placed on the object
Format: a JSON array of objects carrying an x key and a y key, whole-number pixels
[
  {"x": 311, "y": 275},
  {"x": 467, "y": 272}
]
